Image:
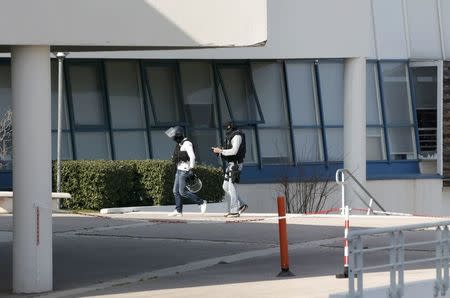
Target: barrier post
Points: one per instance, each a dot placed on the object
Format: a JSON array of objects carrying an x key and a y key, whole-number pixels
[
  {"x": 284, "y": 258},
  {"x": 346, "y": 228},
  {"x": 340, "y": 179}
]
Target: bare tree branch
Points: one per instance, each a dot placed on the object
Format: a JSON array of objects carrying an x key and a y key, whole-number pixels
[
  {"x": 305, "y": 195},
  {"x": 5, "y": 137}
]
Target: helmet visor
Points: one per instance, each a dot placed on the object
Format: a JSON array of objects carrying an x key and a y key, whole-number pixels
[
  {"x": 176, "y": 131},
  {"x": 194, "y": 185}
]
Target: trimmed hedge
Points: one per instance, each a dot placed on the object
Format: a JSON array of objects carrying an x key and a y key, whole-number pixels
[{"x": 97, "y": 184}]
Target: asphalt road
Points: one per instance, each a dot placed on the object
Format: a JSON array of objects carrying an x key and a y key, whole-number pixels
[{"x": 208, "y": 251}]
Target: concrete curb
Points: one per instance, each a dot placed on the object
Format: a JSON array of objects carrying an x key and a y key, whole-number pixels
[{"x": 210, "y": 208}]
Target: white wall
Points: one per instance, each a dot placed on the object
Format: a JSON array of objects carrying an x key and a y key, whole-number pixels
[
  {"x": 410, "y": 29},
  {"x": 380, "y": 29},
  {"x": 422, "y": 197},
  {"x": 390, "y": 38},
  {"x": 155, "y": 23},
  {"x": 423, "y": 24},
  {"x": 262, "y": 198},
  {"x": 383, "y": 29},
  {"x": 259, "y": 197},
  {"x": 445, "y": 26},
  {"x": 296, "y": 29}
]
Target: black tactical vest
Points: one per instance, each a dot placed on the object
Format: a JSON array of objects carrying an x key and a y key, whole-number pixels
[
  {"x": 179, "y": 155},
  {"x": 240, "y": 155}
]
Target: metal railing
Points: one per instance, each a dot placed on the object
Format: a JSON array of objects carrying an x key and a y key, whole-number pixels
[
  {"x": 397, "y": 262},
  {"x": 340, "y": 179}
]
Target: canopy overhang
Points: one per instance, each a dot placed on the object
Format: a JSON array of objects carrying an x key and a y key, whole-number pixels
[{"x": 89, "y": 25}]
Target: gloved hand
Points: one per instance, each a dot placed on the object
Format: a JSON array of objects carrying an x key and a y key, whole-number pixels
[{"x": 190, "y": 174}]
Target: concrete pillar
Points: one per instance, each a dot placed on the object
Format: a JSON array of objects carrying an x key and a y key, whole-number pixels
[
  {"x": 355, "y": 125},
  {"x": 32, "y": 238}
]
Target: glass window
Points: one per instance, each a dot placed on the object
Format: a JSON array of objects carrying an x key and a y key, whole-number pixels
[
  {"x": 396, "y": 93},
  {"x": 87, "y": 97},
  {"x": 225, "y": 112},
  {"x": 130, "y": 145},
  {"x": 332, "y": 94},
  {"x": 373, "y": 104},
  {"x": 375, "y": 146},
  {"x": 125, "y": 95},
  {"x": 269, "y": 85},
  {"x": 203, "y": 140},
  {"x": 375, "y": 142},
  {"x": 198, "y": 94},
  {"x": 164, "y": 95},
  {"x": 275, "y": 146},
  {"x": 308, "y": 145},
  {"x": 332, "y": 91},
  {"x": 5, "y": 88},
  {"x": 92, "y": 145},
  {"x": 303, "y": 99},
  {"x": 273, "y": 133},
  {"x": 401, "y": 140},
  {"x": 398, "y": 109},
  {"x": 424, "y": 80},
  {"x": 304, "y": 110},
  {"x": 335, "y": 143},
  {"x": 162, "y": 146},
  {"x": 66, "y": 145},
  {"x": 91, "y": 136},
  {"x": 251, "y": 155},
  {"x": 238, "y": 94},
  {"x": 127, "y": 109}
]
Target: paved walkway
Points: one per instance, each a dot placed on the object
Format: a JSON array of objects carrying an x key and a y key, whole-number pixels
[{"x": 145, "y": 254}]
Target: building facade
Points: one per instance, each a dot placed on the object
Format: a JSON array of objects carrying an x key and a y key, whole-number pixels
[{"x": 289, "y": 97}]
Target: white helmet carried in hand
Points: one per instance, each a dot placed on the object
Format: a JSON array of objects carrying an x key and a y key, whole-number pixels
[{"x": 193, "y": 183}]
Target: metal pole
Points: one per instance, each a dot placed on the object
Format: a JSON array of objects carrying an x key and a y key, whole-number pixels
[
  {"x": 284, "y": 258},
  {"x": 393, "y": 270},
  {"x": 340, "y": 179},
  {"x": 60, "y": 57},
  {"x": 445, "y": 252},
  {"x": 346, "y": 228},
  {"x": 438, "y": 282}
]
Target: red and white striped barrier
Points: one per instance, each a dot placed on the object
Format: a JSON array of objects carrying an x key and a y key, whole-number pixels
[{"x": 346, "y": 228}]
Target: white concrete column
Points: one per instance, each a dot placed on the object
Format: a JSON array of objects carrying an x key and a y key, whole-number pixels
[
  {"x": 32, "y": 238},
  {"x": 355, "y": 125}
]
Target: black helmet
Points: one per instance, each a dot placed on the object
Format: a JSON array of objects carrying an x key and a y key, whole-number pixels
[
  {"x": 176, "y": 133},
  {"x": 193, "y": 183},
  {"x": 229, "y": 127}
]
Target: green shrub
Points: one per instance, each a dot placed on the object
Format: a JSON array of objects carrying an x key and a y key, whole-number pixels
[
  {"x": 212, "y": 179},
  {"x": 156, "y": 177},
  {"x": 104, "y": 184},
  {"x": 100, "y": 184}
]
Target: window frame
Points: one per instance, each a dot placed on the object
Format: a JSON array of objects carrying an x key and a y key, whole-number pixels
[
  {"x": 99, "y": 65},
  {"x": 439, "y": 119},
  {"x": 140, "y": 85},
  {"x": 220, "y": 82},
  {"x": 147, "y": 90},
  {"x": 386, "y": 125},
  {"x": 257, "y": 172}
]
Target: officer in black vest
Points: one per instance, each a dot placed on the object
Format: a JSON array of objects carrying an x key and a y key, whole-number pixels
[
  {"x": 233, "y": 153},
  {"x": 184, "y": 158}
]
